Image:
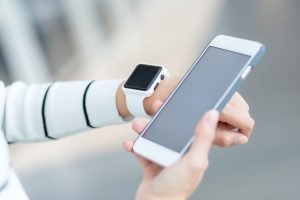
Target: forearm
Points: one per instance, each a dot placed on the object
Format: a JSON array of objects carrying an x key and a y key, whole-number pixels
[
  {"x": 52, "y": 111},
  {"x": 47, "y": 111}
]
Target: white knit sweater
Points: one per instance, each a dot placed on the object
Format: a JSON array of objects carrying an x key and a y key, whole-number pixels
[{"x": 50, "y": 111}]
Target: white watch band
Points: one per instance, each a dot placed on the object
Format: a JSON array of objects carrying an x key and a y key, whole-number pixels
[
  {"x": 135, "y": 105},
  {"x": 135, "y": 98}
]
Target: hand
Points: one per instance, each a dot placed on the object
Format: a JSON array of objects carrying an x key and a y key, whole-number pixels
[
  {"x": 179, "y": 180},
  {"x": 235, "y": 123}
]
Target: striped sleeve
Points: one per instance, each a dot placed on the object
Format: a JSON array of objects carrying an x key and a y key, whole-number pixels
[{"x": 52, "y": 111}]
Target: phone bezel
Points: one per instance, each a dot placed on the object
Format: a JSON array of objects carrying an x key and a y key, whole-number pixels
[{"x": 165, "y": 156}]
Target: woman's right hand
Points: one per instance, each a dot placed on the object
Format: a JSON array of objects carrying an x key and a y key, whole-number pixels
[{"x": 179, "y": 180}]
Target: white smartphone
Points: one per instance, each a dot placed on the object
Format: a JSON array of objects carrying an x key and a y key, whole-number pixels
[{"x": 208, "y": 84}]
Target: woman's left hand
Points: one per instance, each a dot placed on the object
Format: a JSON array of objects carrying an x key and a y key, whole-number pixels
[{"x": 235, "y": 123}]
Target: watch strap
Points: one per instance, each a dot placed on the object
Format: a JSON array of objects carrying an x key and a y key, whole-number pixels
[
  {"x": 135, "y": 101},
  {"x": 135, "y": 105}
]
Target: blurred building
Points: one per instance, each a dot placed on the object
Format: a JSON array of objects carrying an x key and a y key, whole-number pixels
[
  {"x": 40, "y": 40},
  {"x": 45, "y": 40}
]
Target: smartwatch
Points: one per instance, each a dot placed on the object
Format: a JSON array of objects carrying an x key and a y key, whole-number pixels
[{"x": 141, "y": 84}]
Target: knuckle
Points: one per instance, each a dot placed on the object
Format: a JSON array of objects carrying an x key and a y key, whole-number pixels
[
  {"x": 224, "y": 142},
  {"x": 250, "y": 125},
  {"x": 244, "y": 102}
]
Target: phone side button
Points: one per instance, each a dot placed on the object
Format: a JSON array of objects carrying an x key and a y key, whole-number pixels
[
  {"x": 156, "y": 86},
  {"x": 246, "y": 72}
]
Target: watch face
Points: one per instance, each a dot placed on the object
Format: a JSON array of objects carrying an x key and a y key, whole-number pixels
[{"x": 142, "y": 77}]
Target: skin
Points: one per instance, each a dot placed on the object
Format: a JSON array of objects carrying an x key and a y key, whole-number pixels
[
  {"x": 179, "y": 180},
  {"x": 231, "y": 127},
  {"x": 235, "y": 123}
]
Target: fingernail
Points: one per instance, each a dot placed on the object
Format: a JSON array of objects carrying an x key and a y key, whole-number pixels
[
  {"x": 241, "y": 139},
  {"x": 213, "y": 118}
]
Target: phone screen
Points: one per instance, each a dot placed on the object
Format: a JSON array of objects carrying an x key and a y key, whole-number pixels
[{"x": 210, "y": 77}]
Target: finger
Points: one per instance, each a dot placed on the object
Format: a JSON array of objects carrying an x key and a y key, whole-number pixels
[
  {"x": 205, "y": 133},
  {"x": 138, "y": 126},
  {"x": 150, "y": 169},
  {"x": 226, "y": 138},
  {"x": 156, "y": 105},
  {"x": 239, "y": 102},
  {"x": 128, "y": 145},
  {"x": 238, "y": 119},
  {"x": 225, "y": 126},
  {"x": 242, "y": 101},
  {"x": 143, "y": 162}
]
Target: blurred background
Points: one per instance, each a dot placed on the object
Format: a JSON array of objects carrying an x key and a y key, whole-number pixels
[{"x": 48, "y": 40}]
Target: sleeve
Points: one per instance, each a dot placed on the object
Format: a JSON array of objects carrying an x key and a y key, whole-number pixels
[
  {"x": 13, "y": 188},
  {"x": 52, "y": 111}
]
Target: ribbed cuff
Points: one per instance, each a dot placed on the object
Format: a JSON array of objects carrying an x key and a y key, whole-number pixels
[{"x": 101, "y": 103}]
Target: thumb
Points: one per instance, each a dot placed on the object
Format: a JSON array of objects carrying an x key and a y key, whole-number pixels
[{"x": 204, "y": 137}]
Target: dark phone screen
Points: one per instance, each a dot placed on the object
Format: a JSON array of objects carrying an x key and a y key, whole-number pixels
[{"x": 199, "y": 92}]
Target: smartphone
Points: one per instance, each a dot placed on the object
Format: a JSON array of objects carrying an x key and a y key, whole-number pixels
[{"x": 208, "y": 84}]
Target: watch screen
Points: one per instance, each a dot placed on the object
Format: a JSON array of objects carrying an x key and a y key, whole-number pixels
[{"x": 142, "y": 77}]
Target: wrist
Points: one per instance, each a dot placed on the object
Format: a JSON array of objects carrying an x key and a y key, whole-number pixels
[
  {"x": 161, "y": 93},
  {"x": 141, "y": 84},
  {"x": 121, "y": 102}
]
